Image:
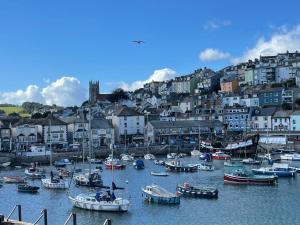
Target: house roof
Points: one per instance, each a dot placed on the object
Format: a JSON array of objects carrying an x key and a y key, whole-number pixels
[
  {"x": 127, "y": 111},
  {"x": 282, "y": 113},
  {"x": 186, "y": 123},
  {"x": 265, "y": 111},
  {"x": 43, "y": 121},
  {"x": 100, "y": 123}
]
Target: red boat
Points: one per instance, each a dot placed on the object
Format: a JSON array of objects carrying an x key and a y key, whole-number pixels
[
  {"x": 220, "y": 156},
  {"x": 114, "y": 164},
  {"x": 241, "y": 177}
]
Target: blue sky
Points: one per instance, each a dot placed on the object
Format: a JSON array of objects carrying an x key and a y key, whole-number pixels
[{"x": 43, "y": 41}]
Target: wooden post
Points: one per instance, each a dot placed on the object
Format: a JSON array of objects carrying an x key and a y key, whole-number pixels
[
  {"x": 45, "y": 217},
  {"x": 19, "y": 212},
  {"x": 74, "y": 219}
]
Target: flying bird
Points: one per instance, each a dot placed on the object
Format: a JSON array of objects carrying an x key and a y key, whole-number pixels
[{"x": 138, "y": 42}]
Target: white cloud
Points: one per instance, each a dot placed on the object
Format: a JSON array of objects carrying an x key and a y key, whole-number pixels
[
  {"x": 66, "y": 91},
  {"x": 284, "y": 40},
  {"x": 158, "y": 75},
  {"x": 212, "y": 25},
  {"x": 212, "y": 54}
]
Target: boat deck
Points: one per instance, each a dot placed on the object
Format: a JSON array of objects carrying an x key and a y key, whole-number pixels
[{"x": 15, "y": 222}]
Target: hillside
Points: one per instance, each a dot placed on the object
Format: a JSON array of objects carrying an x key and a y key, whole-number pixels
[{"x": 12, "y": 109}]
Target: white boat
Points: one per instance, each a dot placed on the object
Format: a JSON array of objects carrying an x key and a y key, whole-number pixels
[
  {"x": 205, "y": 167},
  {"x": 6, "y": 164},
  {"x": 171, "y": 155},
  {"x": 293, "y": 157},
  {"x": 102, "y": 201},
  {"x": 89, "y": 179},
  {"x": 95, "y": 161},
  {"x": 126, "y": 157},
  {"x": 149, "y": 157},
  {"x": 34, "y": 172},
  {"x": 195, "y": 153},
  {"x": 160, "y": 174},
  {"x": 157, "y": 194},
  {"x": 55, "y": 183}
]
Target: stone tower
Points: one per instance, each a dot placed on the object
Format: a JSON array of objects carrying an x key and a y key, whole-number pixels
[{"x": 93, "y": 91}]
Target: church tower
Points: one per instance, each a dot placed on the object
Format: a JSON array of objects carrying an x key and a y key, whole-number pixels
[{"x": 93, "y": 91}]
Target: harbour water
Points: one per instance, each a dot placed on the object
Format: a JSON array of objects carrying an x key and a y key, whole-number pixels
[{"x": 246, "y": 205}]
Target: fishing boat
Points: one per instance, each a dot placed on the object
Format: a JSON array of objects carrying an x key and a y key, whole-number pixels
[
  {"x": 171, "y": 155},
  {"x": 13, "y": 179},
  {"x": 139, "y": 164},
  {"x": 100, "y": 201},
  {"x": 251, "y": 161},
  {"x": 62, "y": 163},
  {"x": 205, "y": 167},
  {"x": 34, "y": 173},
  {"x": 177, "y": 166},
  {"x": 114, "y": 164},
  {"x": 125, "y": 157},
  {"x": 181, "y": 155},
  {"x": 55, "y": 182},
  {"x": 160, "y": 174},
  {"x": 149, "y": 157},
  {"x": 220, "y": 156},
  {"x": 89, "y": 179},
  {"x": 63, "y": 172},
  {"x": 292, "y": 157},
  {"x": 240, "y": 176},
  {"x": 189, "y": 190},
  {"x": 195, "y": 153},
  {"x": 277, "y": 169},
  {"x": 156, "y": 194},
  {"x": 159, "y": 162},
  {"x": 27, "y": 188}
]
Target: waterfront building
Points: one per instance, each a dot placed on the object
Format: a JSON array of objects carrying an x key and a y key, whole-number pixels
[
  {"x": 281, "y": 120},
  {"x": 180, "y": 132},
  {"x": 130, "y": 123},
  {"x": 295, "y": 121},
  {"x": 54, "y": 132},
  {"x": 26, "y": 134},
  {"x": 102, "y": 133}
]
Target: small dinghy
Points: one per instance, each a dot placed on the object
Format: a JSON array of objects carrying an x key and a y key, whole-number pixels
[
  {"x": 205, "y": 167},
  {"x": 27, "y": 188},
  {"x": 188, "y": 190},
  {"x": 13, "y": 179},
  {"x": 159, "y": 174},
  {"x": 55, "y": 182},
  {"x": 34, "y": 173}
]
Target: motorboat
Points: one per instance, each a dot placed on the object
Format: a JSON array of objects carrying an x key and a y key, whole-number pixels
[
  {"x": 139, "y": 164},
  {"x": 240, "y": 176},
  {"x": 205, "y": 167},
  {"x": 27, "y": 188},
  {"x": 220, "y": 156},
  {"x": 95, "y": 161},
  {"x": 89, "y": 179},
  {"x": 181, "y": 155},
  {"x": 206, "y": 157},
  {"x": 62, "y": 163},
  {"x": 177, "y": 166},
  {"x": 125, "y": 157},
  {"x": 159, "y": 162},
  {"x": 277, "y": 169},
  {"x": 189, "y": 190},
  {"x": 160, "y": 174},
  {"x": 292, "y": 157},
  {"x": 195, "y": 153},
  {"x": 100, "y": 201},
  {"x": 55, "y": 183},
  {"x": 149, "y": 157},
  {"x": 171, "y": 155},
  {"x": 34, "y": 172},
  {"x": 156, "y": 194},
  {"x": 63, "y": 172},
  {"x": 13, "y": 179},
  {"x": 114, "y": 164},
  {"x": 251, "y": 161}
]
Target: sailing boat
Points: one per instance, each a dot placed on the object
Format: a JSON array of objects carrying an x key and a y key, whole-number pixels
[
  {"x": 101, "y": 201},
  {"x": 196, "y": 152},
  {"x": 125, "y": 156},
  {"x": 92, "y": 178},
  {"x": 53, "y": 182}
]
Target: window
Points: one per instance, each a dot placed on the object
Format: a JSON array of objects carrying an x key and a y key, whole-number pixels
[
  {"x": 265, "y": 118},
  {"x": 280, "y": 120},
  {"x": 266, "y": 125},
  {"x": 275, "y": 127},
  {"x": 125, "y": 118},
  {"x": 275, "y": 120},
  {"x": 137, "y": 123},
  {"x": 294, "y": 121},
  {"x": 125, "y": 124}
]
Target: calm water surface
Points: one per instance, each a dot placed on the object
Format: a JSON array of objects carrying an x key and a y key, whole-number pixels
[{"x": 240, "y": 205}]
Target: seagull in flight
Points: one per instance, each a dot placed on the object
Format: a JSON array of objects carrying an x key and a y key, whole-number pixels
[{"x": 138, "y": 42}]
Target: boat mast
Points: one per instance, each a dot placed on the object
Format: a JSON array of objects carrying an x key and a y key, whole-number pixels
[
  {"x": 90, "y": 140},
  {"x": 199, "y": 137},
  {"x": 50, "y": 142}
]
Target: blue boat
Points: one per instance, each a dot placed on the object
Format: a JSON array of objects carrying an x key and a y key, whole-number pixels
[
  {"x": 156, "y": 194},
  {"x": 277, "y": 169},
  {"x": 139, "y": 164}
]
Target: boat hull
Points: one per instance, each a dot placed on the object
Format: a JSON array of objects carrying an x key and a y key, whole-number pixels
[
  {"x": 175, "y": 168},
  {"x": 47, "y": 183},
  {"x": 161, "y": 200},
  {"x": 232, "y": 179},
  {"x": 275, "y": 173},
  {"x": 109, "y": 206},
  {"x": 115, "y": 167},
  {"x": 197, "y": 193}
]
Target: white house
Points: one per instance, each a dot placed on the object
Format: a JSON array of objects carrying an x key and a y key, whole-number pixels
[
  {"x": 250, "y": 101},
  {"x": 26, "y": 134},
  {"x": 281, "y": 120},
  {"x": 54, "y": 132},
  {"x": 262, "y": 118},
  {"x": 231, "y": 101},
  {"x": 128, "y": 124}
]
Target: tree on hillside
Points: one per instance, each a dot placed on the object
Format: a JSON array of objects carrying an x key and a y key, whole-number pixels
[{"x": 118, "y": 94}]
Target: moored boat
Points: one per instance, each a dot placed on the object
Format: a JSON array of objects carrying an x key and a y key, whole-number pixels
[
  {"x": 90, "y": 179},
  {"x": 55, "y": 183},
  {"x": 177, "y": 166},
  {"x": 220, "y": 156},
  {"x": 27, "y": 188},
  {"x": 156, "y": 194},
  {"x": 240, "y": 176},
  {"x": 149, "y": 157},
  {"x": 292, "y": 157},
  {"x": 139, "y": 164},
  {"x": 125, "y": 157},
  {"x": 13, "y": 179},
  {"x": 160, "y": 174},
  {"x": 34, "y": 172},
  {"x": 206, "y": 157},
  {"x": 195, "y": 153},
  {"x": 277, "y": 169},
  {"x": 251, "y": 161},
  {"x": 114, "y": 164},
  {"x": 205, "y": 167},
  {"x": 62, "y": 163},
  {"x": 171, "y": 155},
  {"x": 95, "y": 161},
  {"x": 189, "y": 190}
]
